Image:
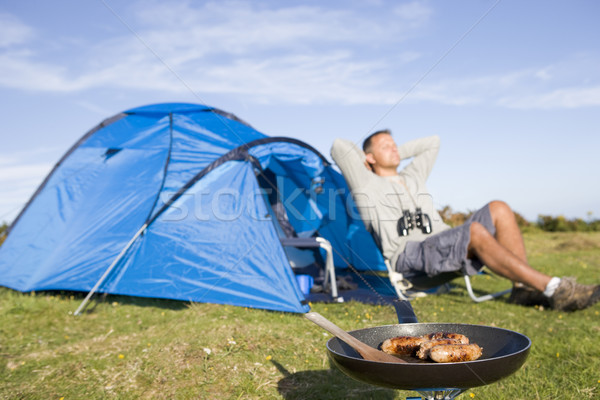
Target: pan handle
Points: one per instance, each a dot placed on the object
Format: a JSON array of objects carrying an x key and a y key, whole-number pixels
[
  {"x": 405, "y": 312},
  {"x": 367, "y": 352}
]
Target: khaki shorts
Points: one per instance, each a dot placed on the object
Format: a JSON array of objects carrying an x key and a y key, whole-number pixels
[{"x": 445, "y": 251}]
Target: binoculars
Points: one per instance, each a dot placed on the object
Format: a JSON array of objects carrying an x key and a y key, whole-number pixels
[{"x": 410, "y": 220}]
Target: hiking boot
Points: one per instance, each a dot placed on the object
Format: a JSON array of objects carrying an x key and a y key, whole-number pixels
[
  {"x": 526, "y": 296},
  {"x": 572, "y": 296}
]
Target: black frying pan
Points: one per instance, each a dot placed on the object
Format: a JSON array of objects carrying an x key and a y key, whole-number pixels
[{"x": 504, "y": 352}]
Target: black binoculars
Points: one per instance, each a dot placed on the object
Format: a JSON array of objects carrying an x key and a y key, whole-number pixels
[{"x": 410, "y": 220}]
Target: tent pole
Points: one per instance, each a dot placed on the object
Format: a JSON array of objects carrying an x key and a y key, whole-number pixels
[{"x": 108, "y": 270}]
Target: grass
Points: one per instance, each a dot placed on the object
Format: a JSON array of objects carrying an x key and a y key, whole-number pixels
[{"x": 133, "y": 348}]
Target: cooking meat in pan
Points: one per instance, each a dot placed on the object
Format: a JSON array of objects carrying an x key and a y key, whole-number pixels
[
  {"x": 425, "y": 347},
  {"x": 402, "y": 345},
  {"x": 446, "y": 353},
  {"x": 445, "y": 335},
  {"x": 441, "y": 347}
]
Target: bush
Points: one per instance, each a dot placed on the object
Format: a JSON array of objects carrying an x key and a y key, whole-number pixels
[
  {"x": 546, "y": 223},
  {"x": 456, "y": 218},
  {"x": 562, "y": 224}
]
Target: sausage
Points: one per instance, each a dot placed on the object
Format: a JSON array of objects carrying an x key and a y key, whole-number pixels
[
  {"x": 446, "y": 353},
  {"x": 402, "y": 345},
  {"x": 423, "y": 352},
  {"x": 445, "y": 335}
]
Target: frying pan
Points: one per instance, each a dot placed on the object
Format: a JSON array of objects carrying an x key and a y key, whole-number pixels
[{"x": 504, "y": 352}]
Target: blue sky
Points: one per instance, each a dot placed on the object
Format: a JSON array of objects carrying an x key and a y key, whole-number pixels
[{"x": 511, "y": 87}]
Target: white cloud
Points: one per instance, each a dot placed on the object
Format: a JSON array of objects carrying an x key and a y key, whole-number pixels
[
  {"x": 416, "y": 12},
  {"x": 288, "y": 54},
  {"x": 19, "y": 71},
  {"x": 13, "y": 31},
  {"x": 20, "y": 175},
  {"x": 573, "y": 97},
  {"x": 24, "y": 173},
  {"x": 535, "y": 88},
  {"x": 17, "y": 185},
  {"x": 292, "y": 54}
]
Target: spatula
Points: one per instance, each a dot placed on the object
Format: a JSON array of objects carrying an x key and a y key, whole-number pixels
[{"x": 367, "y": 352}]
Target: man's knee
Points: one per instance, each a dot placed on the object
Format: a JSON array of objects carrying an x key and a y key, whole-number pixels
[
  {"x": 479, "y": 232},
  {"x": 500, "y": 210},
  {"x": 479, "y": 240}
]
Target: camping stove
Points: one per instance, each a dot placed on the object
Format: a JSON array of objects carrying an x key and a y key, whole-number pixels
[{"x": 437, "y": 394}]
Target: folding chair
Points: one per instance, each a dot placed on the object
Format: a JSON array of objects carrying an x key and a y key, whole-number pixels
[
  {"x": 318, "y": 242},
  {"x": 289, "y": 237},
  {"x": 422, "y": 286}
]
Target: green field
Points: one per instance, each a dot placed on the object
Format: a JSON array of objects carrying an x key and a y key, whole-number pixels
[{"x": 131, "y": 348}]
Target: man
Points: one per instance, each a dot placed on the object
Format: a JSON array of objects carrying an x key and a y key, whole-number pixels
[{"x": 398, "y": 211}]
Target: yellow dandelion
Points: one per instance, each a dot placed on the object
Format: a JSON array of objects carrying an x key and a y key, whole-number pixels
[
  {"x": 62, "y": 398},
  {"x": 268, "y": 358},
  {"x": 557, "y": 355},
  {"x": 472, "y": 395},
  {"x": 67, "y": 337},
  {"x": 121, "y": 356},
  {"x": 442, "y": 309},
  {"x": 149, "y": 344},
  {"x": 549, "y": 329},
  {"x": 162, "y": 313},
  {"x": 560, "y": 316}
]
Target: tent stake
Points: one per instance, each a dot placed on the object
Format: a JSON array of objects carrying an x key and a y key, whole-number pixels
[{"x": 108, "y": 270}]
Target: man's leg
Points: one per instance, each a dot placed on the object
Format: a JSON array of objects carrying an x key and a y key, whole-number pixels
[
  {"x": 508, "y": 233},
  {"x": 509, "y": 263},
  {"x": 505, "y": 255}
]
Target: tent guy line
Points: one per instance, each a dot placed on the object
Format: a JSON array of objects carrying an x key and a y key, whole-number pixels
[
  {"x": 162, "y": 61},
  {"x": 428, "y": 72}
]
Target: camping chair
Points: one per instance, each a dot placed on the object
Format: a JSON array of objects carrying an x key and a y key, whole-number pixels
[
  {"x": 289, "y": 237},
  {"x": 322, "y": 243},
  {"x": 485, "y": 297},
  {"x": 422, "y": 286}
]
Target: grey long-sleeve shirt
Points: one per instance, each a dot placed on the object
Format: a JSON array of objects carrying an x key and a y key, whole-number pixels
[{"x": 381, "y": 200}]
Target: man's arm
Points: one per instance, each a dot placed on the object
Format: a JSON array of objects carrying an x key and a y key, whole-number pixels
[
  {"x": 424, "y": 151},
  {"x": 351, "y": 161}
]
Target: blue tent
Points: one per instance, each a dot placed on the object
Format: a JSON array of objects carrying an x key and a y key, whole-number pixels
[{"x": 172, "y": 198}]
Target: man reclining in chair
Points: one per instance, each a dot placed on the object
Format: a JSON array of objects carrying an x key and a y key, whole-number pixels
[{"x": 398, "y": 211}]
